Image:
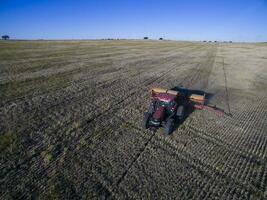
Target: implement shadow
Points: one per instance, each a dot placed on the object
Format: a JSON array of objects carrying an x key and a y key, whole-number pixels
[{"x": 190, "y": 108}]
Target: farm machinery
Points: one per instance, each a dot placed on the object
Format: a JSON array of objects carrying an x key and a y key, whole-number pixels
[{"x": 170, "y": 107}]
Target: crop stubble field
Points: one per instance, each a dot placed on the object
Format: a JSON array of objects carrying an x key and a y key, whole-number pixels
[{"x": 70, "y": 114}]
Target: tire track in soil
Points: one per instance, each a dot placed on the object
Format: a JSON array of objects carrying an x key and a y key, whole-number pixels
[
  {"x": 196, "y": 75},
  {"x": 226, "y": 88},
  {"x": 135, "y": 159},
  {"x": 193, "y": 79}
]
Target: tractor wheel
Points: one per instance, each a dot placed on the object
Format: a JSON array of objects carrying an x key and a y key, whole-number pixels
[
  {"x": 180, "y": 112},
  {"x": 146, "y": 120},
  {"x": 169, "y": 126}
]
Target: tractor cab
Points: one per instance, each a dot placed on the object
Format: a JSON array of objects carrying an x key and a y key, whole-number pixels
[
  {"x": 164, "y": 101},
  {"x": 162, "y": 106}
]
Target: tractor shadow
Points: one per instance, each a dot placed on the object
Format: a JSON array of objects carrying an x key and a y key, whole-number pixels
[{"x": 189, "y": 109}]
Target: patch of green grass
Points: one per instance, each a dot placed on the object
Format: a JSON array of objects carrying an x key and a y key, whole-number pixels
[
  {"x": 47, "y": 155},
  {"x": 48, "y": 158}
]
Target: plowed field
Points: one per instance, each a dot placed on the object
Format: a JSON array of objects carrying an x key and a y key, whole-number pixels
[{"x": 71, "y": 112}]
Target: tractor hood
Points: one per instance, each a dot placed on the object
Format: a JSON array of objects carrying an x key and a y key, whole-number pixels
[{"x": 159, "y": 113}]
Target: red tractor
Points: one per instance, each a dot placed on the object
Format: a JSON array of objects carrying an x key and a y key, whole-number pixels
[{"x": 168, "y": 107}]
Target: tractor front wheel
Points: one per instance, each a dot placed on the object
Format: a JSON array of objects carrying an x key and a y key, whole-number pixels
[
  {"x": 146, "y": 120},
  {"x": 169, "y": 126}
]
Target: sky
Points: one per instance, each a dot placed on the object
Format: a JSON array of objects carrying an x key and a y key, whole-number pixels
[{"x": 222, "y": 20}]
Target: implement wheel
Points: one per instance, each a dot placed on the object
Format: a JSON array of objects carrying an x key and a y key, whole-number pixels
[
  {"x": 169, "y": 126},
  {"x": 180, "y": 112}
]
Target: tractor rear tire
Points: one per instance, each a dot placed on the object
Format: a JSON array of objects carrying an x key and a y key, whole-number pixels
[
  {"x": 169, "y": 126},
  {"x": 180, "y": 112},
  {"x": 146, "y": 120}
]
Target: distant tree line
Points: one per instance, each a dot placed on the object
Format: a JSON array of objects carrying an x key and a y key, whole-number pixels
[
  {"x": 218, "y": 41},
  {"x": 145, "y": 38},
  {"x": 5, "y": 37}
]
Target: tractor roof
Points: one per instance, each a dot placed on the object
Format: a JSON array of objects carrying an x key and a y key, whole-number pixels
[{"x": 166, "y": 97}]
